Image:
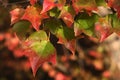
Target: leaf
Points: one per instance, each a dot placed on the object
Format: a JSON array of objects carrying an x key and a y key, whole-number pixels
[
  {"x": 32, "y": 2},
  {"x": 85, "y": 23},
  {"x": 116, "y": 5},
  {"x": 16, "y": 14},
  {"x": 115, "y": 22},
  {"x": 63, "y": 33},
  {"x": 67, "y": 14},
  {"x": 55, "y": 26},
  {"x": 54, "y": 12},
  {"x": 22, "y": 28},
  {"x": 38, "y": 36},
  {"x": 102, "y": 31},
  {"x": 32, "y": 14},
  {"x": 43, "y": 48},
  {"x": 87, "y": 5},
  {"x": 40, "y": 52},
  {"x": 60, "y": 4},
  {"x": 47, "y": 5}
]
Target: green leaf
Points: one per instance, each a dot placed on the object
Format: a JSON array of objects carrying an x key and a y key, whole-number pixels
[
  {"x": 115, "y": 22},
  {"x": 38, "y": 36},
  {"x": 43, "y": 48},
  {"x": 85, "y": 23},
  {"x": 55, "y": 26},
  {"x": 54, "y": 12},
  {"x": 63, "y": 33},
  {"x": 22, "y": 28}
]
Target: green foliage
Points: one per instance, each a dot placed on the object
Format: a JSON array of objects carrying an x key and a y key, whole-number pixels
[{"x": 67, "y": 21}]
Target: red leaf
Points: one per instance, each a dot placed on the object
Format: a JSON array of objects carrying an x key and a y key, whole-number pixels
[
  {"x": 32, "y": 15},
  {"x": 36, "y": 61},
  {"x": 67, "y": 14},
  {"x": 102, "y": 31},
  {"x": 71, "y": 46},
  {"x": 116, "y": 5},
  {"x": 16, "y": 14},
  {"x": 82, "y": 4},
  {"x": 47, "y": 5},
  {"x": 32, "y": 2},
  {"x": 67, "y": 18}
]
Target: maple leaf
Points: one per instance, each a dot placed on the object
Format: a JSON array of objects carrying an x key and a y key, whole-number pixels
[
  {"x": 67, "y": 14},
  {"x": 16, "y": 14},
  {"x": 47, "y": 5},
  {"x": 87, "y": 5},
  {"x": 32, "y": 14},
  {"x": 39, "y": 50},
  {"x": 32, "y": 2}
]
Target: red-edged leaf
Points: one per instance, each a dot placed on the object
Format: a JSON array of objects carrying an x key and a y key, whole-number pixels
[
  {"x": 87, "y": 5},
  {"x": 102, "y": 31},
  {"x": 63, "y": 33},
  {"x": 39, "y": 53},
  {"x": 32, "y": 2},
  {"x": 32, "y": 14},
  {"x": 39, "y": 50},
  {"x": 16, "y": 14},
  {"x": 116, "y": 5},
  {"x": 67, "y": 14},
  {"x": 71, "y": 45},
  {"x": 47, "y": 5},
  {"x": 84, "y": 23}
]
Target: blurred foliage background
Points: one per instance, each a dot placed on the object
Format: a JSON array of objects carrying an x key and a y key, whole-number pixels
[{"x": 92, "y": 60}]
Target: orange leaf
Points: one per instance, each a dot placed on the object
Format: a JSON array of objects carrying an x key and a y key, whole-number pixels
[{"x": 32, "y": 14}]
